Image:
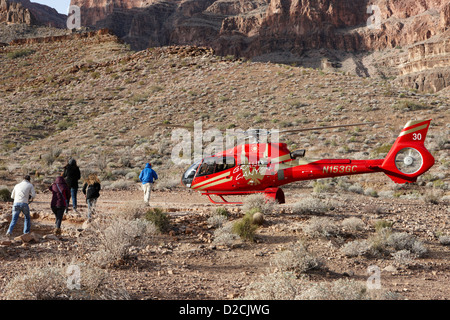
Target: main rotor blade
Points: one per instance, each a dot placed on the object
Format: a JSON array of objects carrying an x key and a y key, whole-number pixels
[
  {"x": 329, "y": 127},
  {"x": 173, "y": 126}
]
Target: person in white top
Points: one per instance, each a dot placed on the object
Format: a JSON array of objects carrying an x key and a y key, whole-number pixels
[{"x": 22, "y": 194}]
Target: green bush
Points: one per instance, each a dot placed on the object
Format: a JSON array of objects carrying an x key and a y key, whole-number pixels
[
  {"x": 5, "y": 195},
  {"x": 223, "y": 212},
  {"x": 409, "y": 105},
  {"x": 20, "y": 53},
  {"x": 159, "y": 218},
  {"x": 381, "y": 224},
  {"x": 245, "y": 228}
]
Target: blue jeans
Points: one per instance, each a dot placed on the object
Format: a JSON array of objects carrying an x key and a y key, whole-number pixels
[
  {"x": 91, "y": 206},
  {"x": 16, "y": 210},
  {"x": 73, "y": 193}
]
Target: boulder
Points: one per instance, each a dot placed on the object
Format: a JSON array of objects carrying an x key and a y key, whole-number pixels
[
  {"x": 258, "y": 218},
  {"x": 28, "y": 237}
]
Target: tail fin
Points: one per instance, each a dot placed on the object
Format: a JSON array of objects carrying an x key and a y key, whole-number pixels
[{"x": 408, "y": 157}]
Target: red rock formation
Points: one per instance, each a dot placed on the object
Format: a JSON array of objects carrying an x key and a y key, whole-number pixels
[
  {"x": 27, "y": 12},
  {"x": 445, "y": 17},
  {"x": 251, "y": 28},
  {"x": 13, "y": 12},
  {"x": 288, "y": 24}
]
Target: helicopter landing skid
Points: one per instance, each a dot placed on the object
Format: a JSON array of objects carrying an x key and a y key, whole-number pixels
[{"x": 273, "y": 193}]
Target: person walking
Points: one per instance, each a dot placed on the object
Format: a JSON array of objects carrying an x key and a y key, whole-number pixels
[
  {"x": 72, "y": 175},
  {"x": 147, "y": 176},
  {"x": 22, "y": 194},
  {"x": 91, "y": 190},
  {"x": 60, "y": 201}
]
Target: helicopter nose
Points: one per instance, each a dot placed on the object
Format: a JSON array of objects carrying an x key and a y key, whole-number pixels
[
  {"x": 186, "y": 182},
  {"x": 189, "y": 174}
]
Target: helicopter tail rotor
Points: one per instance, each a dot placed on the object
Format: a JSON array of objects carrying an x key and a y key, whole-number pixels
[{"x": 408, "y": 157}]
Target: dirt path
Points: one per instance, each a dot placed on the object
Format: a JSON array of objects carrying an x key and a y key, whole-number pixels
[{"x": 188, "y": 265}]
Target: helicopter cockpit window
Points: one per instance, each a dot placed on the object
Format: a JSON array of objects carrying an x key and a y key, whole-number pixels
[
  {"x": 214, "y": 165},
  {"x": 188, "y": 176}
]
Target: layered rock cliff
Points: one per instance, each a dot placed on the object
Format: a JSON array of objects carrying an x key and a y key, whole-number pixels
[
  {"x": 253, "y": 28},
  {"x": 14, "y": 12},
  {"x": 30, "y": 13}
]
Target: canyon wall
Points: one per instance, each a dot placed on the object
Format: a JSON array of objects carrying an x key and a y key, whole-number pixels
[
  {"x": 30, "y": 13},
  {"x": 251, "y": 28}
]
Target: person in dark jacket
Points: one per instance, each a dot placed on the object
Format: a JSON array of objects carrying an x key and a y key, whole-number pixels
[
  {"x": 60, "y": 200},
  {"x": 91, "y": 190},
  {"x": 72, "y": 175},
  {"x": 147, "y": 177}
]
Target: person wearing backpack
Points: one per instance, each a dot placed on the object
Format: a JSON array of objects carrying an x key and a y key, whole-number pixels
[
  {"x": 91, "y": 190},
  {"x": 72, "y": 174},
  {"x": 60, "y": 201}
]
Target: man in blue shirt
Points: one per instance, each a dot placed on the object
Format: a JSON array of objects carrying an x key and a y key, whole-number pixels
[{"x": 147, "y": 177}]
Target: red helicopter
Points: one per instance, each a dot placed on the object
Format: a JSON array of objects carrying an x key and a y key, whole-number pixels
[{"x": 265, "y": 167}]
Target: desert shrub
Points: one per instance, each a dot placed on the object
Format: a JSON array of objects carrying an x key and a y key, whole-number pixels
[
  {"x": 5, "y": 195},
  {"x": 404, "y": 241},
  {"x": 431, "y": 197},
  {"x": 52, "y": 155},
  {"x": 287, "y": 286},
  {"x": 245, "y": 228},
  {"x": 130, "y": 210},
  {"x": 383, "y": 148},
  {"x": 47, "y": 283},
  {"x": 342, "y": 289},
  {"x": 224, "y": 235},
  {"x": 51, "y": 283},
  {"x": 355, "y": 248},
  {"x": 120, "y": 185},
  {"x": 159, "y": 218},
  {"x": 383, "y": 224},
  {"x": 378, "y": 242},
  {"x": 353, "y": 224},
  {"x": 274, "y": 286},
  {"x": 216, "y": 220},
  {"x": 385, "y": 241},
  {"x": 321, "y": 187},
  {"x": 166, "y": 183},
  {"x": 371, "y": 192},
  {"x": 409, "y": 105},
  {"x": 115, "y": 239},
  {"x": 310, "y": 205},
  {"x": 321, "y": 227},
  {"x": 20, "y": 53},
  {"x": 403, "y": 257},
  {"x": 260, "y": 202},
  {"x": 444, "y": 240},
  {"x": 297, "y": 259},
  {"x": 222, "y": 211},
  {"x": 356, "y": 188}
]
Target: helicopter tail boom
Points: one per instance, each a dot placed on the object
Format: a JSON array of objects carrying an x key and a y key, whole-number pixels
[{"x": 408, "y": 158}]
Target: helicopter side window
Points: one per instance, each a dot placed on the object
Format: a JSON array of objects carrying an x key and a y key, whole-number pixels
[{"x": 214, "y": 165}]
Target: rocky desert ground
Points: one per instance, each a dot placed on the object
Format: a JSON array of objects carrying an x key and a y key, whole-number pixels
[{"x": 91, "y": 98}]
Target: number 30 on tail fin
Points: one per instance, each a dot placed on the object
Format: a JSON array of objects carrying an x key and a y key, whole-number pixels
[{"x": 408, "y": 157}]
